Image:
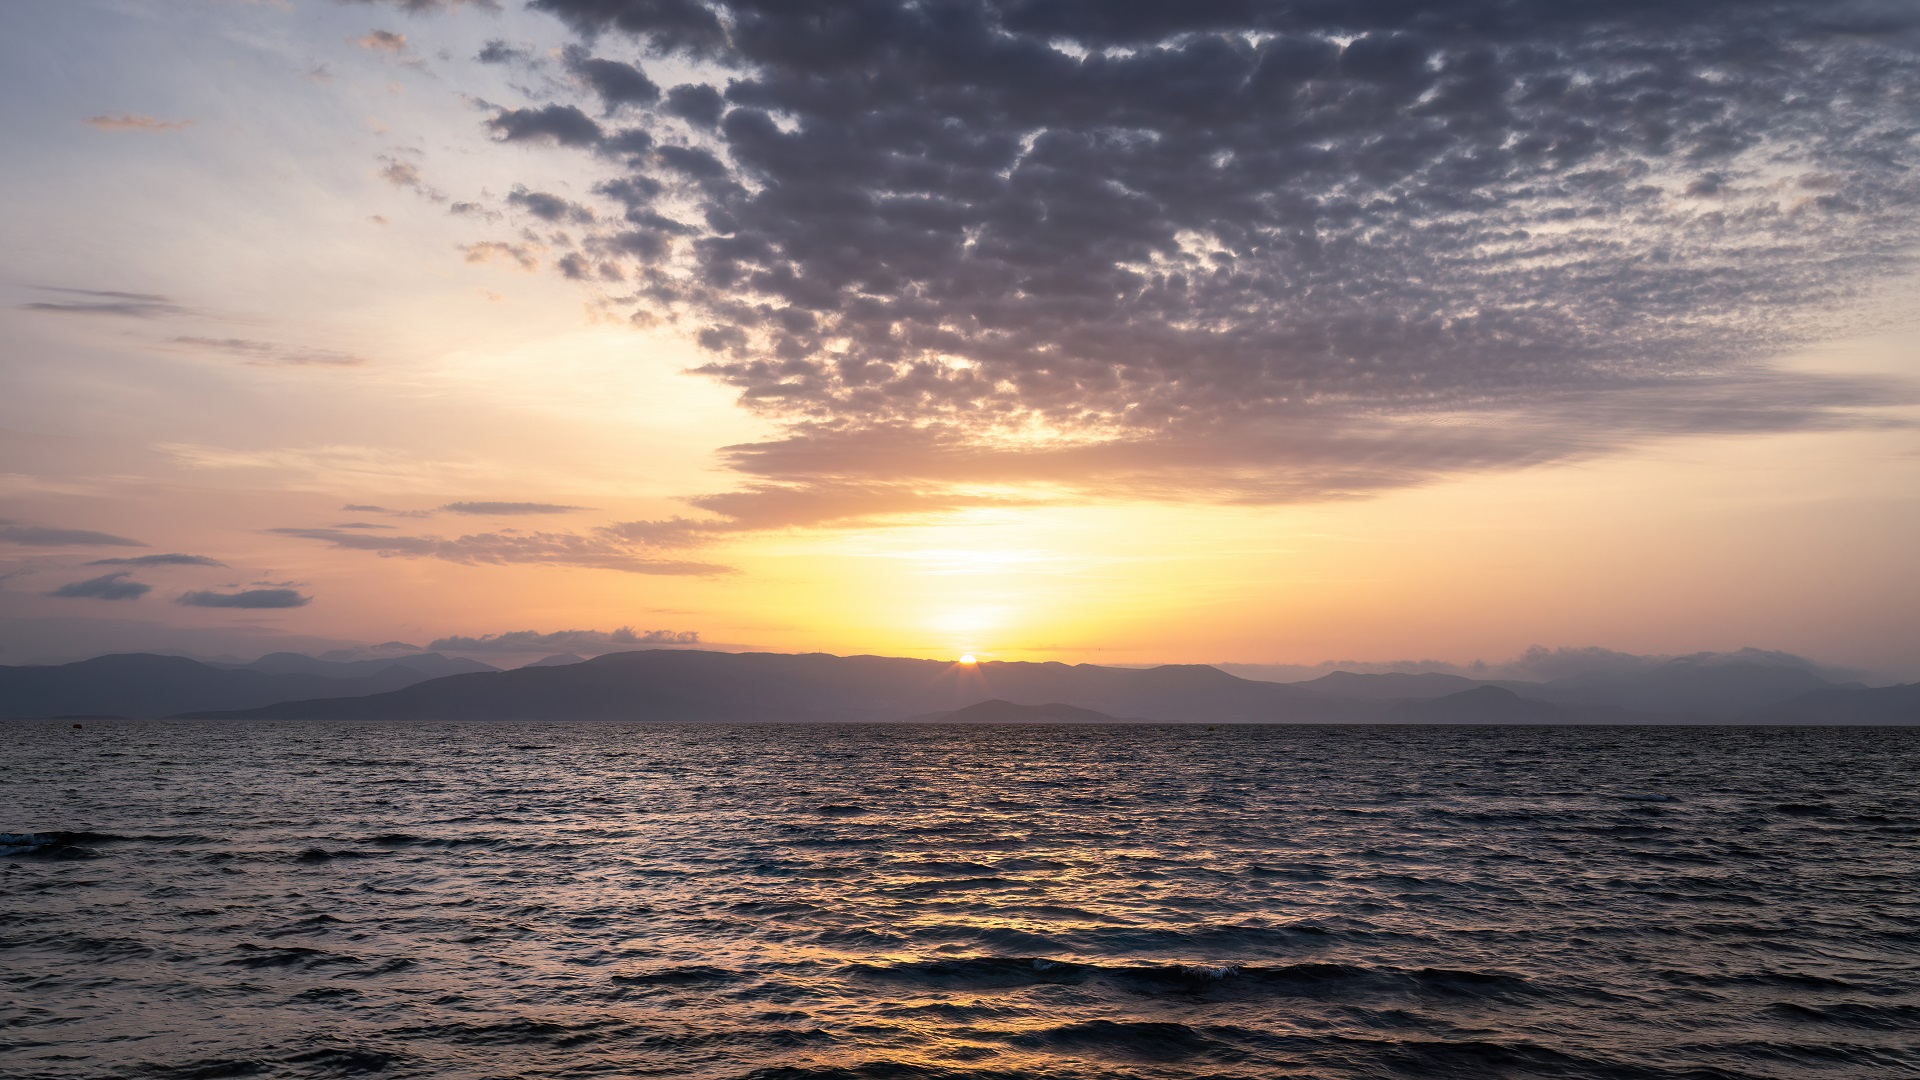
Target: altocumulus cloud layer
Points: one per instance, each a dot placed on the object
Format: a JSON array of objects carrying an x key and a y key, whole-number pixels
[{"x": 1250, "y": 251}]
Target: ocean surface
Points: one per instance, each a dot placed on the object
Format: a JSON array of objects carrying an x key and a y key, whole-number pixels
[{"x": 199, "y": 900}]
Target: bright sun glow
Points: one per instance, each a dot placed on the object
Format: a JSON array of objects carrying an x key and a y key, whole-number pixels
[{"x": 968, "y": 659}]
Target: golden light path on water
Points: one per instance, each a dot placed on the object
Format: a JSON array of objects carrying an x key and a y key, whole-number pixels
[{"x": 937, "y": 902}]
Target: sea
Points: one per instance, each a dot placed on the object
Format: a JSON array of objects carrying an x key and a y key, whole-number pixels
[{"x": 185, "y": 900}]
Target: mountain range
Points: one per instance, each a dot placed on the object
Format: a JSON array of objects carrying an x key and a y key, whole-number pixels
[{"x": 690, "y": 685}]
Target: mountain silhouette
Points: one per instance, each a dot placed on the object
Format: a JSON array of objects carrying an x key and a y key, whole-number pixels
[
  {"x": 1841, "y": 706},
  {"x": 144, "y": 685},
  {"x": 681, "y": 684}
]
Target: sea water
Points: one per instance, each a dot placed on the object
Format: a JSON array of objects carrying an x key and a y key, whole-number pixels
[{"x": 597, "y": 900}]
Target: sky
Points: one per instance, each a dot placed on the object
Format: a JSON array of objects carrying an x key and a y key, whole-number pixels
[{"x": 1261, "y": 333}]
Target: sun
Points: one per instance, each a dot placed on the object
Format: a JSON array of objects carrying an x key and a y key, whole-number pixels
[{"x": 968, "y": 660}]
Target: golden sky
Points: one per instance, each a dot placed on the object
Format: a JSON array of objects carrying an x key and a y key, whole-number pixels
[{"x": 371, "y": 322}]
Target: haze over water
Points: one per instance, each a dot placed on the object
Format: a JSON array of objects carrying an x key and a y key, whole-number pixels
[{"x": 579, "y": 900}]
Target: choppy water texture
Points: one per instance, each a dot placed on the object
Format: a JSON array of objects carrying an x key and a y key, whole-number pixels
[{"x": 585, "y": 900}]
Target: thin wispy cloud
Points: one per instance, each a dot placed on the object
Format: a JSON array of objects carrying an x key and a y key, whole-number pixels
[
  {"x": 595, "y": 551},
  {"x": 117, "y": 586},
  {"x": 159, "y": 560},
  {"x": 509, "y": 509},
  {"x": 105, "y": 302},
  {"x": 125, "y": 121},
  {"x": 382, "y": 41},
  {"x": 423, "y": 7},
  {"x": 270, "y": 354},
  {"x": 250, "y": 599},
  {"x": 44, "y": 536}
]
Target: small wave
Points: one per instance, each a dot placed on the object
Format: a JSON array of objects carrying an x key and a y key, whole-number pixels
[
  {"x": 273, "y": 956},
  {"x": 56, "y": 845},
  {"x": 208, "y": 1069},
  {"x": 1141, "y": 1040},
  {"x": 993, "y": 972},
  {"x": 842, "y": 810},
  {"x": 690, "y": 975},
  {"x": 1856, "y": 1014}
]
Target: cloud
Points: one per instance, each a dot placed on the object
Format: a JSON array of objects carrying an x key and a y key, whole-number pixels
[
  {"x": 549, "y": 208},
  {"x": 563, "y": 125},
  {"x": 159, "y": 560},
  {"x": 247, "y": 598},
  {"x": 117, "y": 586},
  {"x": 1252, "y": 252},
  {"x": 818, "y": 502},
  {"x": 105, "y": 302},
  {"x": 499, "y": 51},
  {"x": 134, "y": 122},
  {"x": 486, "y": 251},
  {"x": 597, "y": 551},
  {"x": 696, "y": 103},
  {"x": 40, "y": 536},
  {"x": 585, "y": 642},
  {"x": 512, "y": 508},
  {"x": 419, "y": 7},
  {"x": 382, "y": 41},
  {"x": 362, "y": 508},
  {"x": 615, "y": 83},
  {"x": 406, "y": 175},
  {"x": 268, "y": 354}
]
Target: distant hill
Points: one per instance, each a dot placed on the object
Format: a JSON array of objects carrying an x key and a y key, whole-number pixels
[
  {"x": 1389, "y": 686},
  {"x": 430, "y": 665},
  {"x": 557, "y": 660},
  {"x": 681, "y": 684},
  {"x": 1718, "y": 690},
  {"x": 998, "y": 711},
  {"x": 1842, "y": 706},
  {"x": 1488, "y": 704},
  {"x": 1706, "y": 690},
  {"x": 144, "y": 685},
  {"x": 689, "y": 685}
]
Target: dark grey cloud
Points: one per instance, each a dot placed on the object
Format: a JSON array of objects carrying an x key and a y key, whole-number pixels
[
  {"x": 696, "y": 103},
  {"x": 500, "y": 51},
  {"x": 585, "y": 642},
  {"x": 509, "y": 508},
  {"x": 1257, "y": 251},
  {"x": 550, "y": 208},
  {"x": 159, "y": 560},
  {"x": 363, "y": 508},
  {"x": 599, "y": 550},
  {"x": 246, "y": 598},
  {"x": 105, "y": 302},
  {"x": 116, "y": 586},
  {"x": 617, "y": 84},
  {"x": 564, "y": 125},
  {"x": 41, "y": 536}
]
